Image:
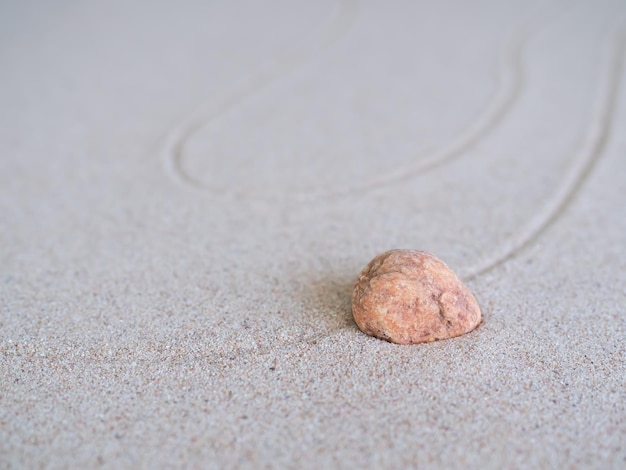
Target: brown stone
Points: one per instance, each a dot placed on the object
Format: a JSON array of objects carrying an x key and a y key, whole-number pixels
[{"x": 410, "y": 296}]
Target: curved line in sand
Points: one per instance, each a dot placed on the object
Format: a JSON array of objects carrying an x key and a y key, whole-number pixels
[
  {"x": 579, "y": 169},
  {"x": 509, "y": 78},
  {"x": 282, "y": 64}
]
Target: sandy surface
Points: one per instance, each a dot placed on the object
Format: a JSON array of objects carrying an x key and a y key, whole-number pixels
[{"x": 188, "y": 191}]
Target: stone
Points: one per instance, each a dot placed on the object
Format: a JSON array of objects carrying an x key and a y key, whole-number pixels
[{"x": 410, "y": 296}]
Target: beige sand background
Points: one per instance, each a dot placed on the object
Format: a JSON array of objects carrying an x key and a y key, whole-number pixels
[{"x": 188, "y": 190}]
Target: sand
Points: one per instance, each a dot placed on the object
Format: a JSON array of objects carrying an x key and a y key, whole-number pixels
[{"x": 188, "y": 191}]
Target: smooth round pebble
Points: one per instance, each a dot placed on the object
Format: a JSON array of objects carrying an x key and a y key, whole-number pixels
[{"x": 410, "y": 296}]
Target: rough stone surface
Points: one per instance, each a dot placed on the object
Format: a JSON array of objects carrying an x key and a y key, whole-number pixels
[{"x": 410, "y": 296}]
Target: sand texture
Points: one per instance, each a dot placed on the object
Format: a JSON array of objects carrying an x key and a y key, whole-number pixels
[{"x": 188, "y": 191}]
